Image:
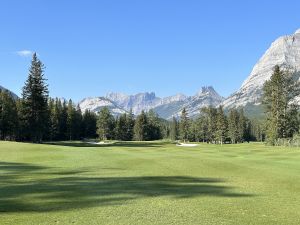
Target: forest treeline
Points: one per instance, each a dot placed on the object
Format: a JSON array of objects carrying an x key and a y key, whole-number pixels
[{"x": 35, "y": 117}]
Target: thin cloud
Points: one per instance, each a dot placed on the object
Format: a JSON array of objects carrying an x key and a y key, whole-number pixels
[{"x": 25, "y": 53}]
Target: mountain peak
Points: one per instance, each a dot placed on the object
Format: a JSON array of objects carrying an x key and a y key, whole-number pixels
[
  {"x": 297, "y": 31},
  {"x": 285, "y": 52},
  {"x": 207, "y": 89}
]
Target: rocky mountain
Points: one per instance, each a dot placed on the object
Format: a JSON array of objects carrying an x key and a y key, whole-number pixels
[
  {"x": 207, "y": 96},
  {"x": 95, "y": 105},
  {"x": 138, "y": 102},
  {"x": 13, "y": 94},
  {"x": 285, "y": 52},
  {"x": 165, "y": 107}
]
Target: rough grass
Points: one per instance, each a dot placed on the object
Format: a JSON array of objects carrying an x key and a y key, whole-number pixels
[{"x": 148, "y": 183}]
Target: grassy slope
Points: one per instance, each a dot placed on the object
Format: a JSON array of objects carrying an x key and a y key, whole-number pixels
[{"x": 153, "y": 183}]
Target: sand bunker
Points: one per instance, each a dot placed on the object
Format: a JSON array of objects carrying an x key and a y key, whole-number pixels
[
  {"x": 100, "y": 143},
  {"x": 186, "y": 145}
]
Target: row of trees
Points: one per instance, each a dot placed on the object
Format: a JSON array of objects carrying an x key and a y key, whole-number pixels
[
  {"x": 145, "y": 127},
  {"x": 214, "y": 126},
  {"x": 36, "y": 117}
]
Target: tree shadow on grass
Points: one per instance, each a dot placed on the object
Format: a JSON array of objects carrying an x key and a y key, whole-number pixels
[{"x": 66, "y": 192}]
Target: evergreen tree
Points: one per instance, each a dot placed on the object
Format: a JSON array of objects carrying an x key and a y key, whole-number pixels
[
  {"x": 89, "y": 121},
  {"x": 129, "y": 126},
  {"x": 174, "y": 129},
  {"x": 153, "y": 126},
  {"x": 202, "y": 127},
  {"x": 233, "y": 129},
  {"x": 63, "y": 121},
  {"x": 54, "y": 119},
  {"x": 140, "y": 127},
  {"x": 184, "y": 125},
  {"x": 105, "y": 124},
  {"x": 221, "y": 131},
  {"x": 8, "y": 116},
  {"x": 121, "y": 127},
  {"x": 71, "y": 121},
  {"x": 35, "y": 106},
  {"x": 210, "y": 115},
  {"x": 241, "y": 126},
  {"x": 279, "y": 94}
]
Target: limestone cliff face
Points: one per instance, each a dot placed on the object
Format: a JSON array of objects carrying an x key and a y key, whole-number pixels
[{"x": 285, "y": 52}]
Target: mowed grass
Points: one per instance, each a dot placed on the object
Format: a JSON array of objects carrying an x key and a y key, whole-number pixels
[{"x": 148, "y": 183}]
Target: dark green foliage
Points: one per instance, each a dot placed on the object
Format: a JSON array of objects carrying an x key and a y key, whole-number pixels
[
  {"x": 8, "y": 116},
  {"x": 154, "y": 126},
  {"x": 121, "y": 131},
  {"x": 222, "y": 126},
  {"x": 35, "y": 113},
  {"x": 89, "y": 124},
  {"x": 278, "y": 98},
  {"x": 184, "y": 125},
  {"x": 174, "y": 129},
  {"x": 105, "y": 124},
  {"x": 140, "y": 127}
]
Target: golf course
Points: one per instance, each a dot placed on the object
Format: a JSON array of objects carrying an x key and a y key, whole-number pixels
[{"x": 148, "y": 183}]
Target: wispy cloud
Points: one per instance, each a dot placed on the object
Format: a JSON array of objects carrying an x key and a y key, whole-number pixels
[{"x": 24, "y": 53}]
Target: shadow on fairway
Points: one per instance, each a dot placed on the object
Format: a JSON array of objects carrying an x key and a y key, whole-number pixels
[
  {"x": 116, "y": 144},
  {"x": 70, "y": 190}
]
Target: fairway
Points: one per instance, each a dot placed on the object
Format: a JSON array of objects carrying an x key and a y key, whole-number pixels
[{"x": 148, "y": 183}]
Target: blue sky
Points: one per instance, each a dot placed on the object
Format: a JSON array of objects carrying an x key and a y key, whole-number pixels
[{"x": 92, "y": 47}]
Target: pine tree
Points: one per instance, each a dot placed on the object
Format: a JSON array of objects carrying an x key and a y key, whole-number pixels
[
  {"x": 63, "y": 121},
  {"x": 8, "y": 116},
  {"x": 233, "y": 130},
  {"x": 174, "y": 129},
  {"x": 121, "y": 128},
  {"x": 89, "y": 121},
  {"x": 241, "y": 126},
  {"x": 278, "y": 95},
  {"x": 184, "y": 125},
  {"x": 140, "y": 127},
  {"x": 105, "y": 124},
  {"x": 129, "y": 126},
  {"x": 210, "y": 115},
  {"x": 153, "y": 126},
  {"x": 35, "y": 106},
  {"x": 221, "y": 131},
  {"x": 71, "y": 123},
  {"x": 202, "y": 127}
]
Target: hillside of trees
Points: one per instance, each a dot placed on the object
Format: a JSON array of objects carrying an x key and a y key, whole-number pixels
[{"x": 36, "y": 117}]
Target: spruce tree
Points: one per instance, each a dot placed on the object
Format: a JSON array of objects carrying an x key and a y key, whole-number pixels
[
  {"x": 278, "y": 97},
  {"x": 184, "y": 125},
  {"x": 105, "y": 124},
  {"x": 8, "y": 116},
  {"x": 221, "y": 131},
  {"x": 140, "y": 127},
  {"x": 174, "y": 129},
  {"x": 35, "y": 106},
  {"x": 89, "y": 121},
  {"x": 129, "y": 126},
  {"x": 233, "y": 129}
]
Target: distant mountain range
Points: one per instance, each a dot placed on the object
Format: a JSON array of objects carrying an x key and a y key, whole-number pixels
[
  {"x": 165, "y": 107},
  {"x": 285, "y": 52}
]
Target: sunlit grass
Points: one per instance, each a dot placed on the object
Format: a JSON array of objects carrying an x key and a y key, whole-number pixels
[{"x": 148, "y": 183}]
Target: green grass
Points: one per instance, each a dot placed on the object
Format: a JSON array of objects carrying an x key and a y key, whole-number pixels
[{"x": 148, "y": 183}]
